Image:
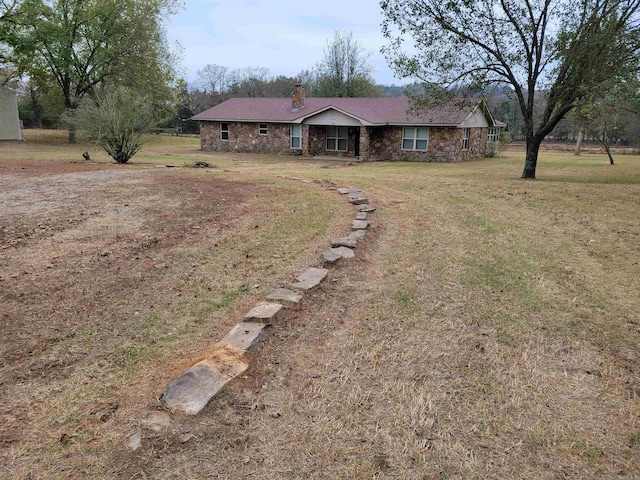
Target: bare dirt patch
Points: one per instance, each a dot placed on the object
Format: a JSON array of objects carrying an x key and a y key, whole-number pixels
[{"x": 112, "y": 280}]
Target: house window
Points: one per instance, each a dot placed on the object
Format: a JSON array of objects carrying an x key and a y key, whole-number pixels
[
  {"x": 415, "y": 138},
  {"x": 296, "y": 136},
  {"x": 493, "y": 135},
  {"x": 262, "y": 129},
  {"x": 465, "y": 138},
  {"x": 337, "y": 138},
  {"x": 224, "y": 131}
]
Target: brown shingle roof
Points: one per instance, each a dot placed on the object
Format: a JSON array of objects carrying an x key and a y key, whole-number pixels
[{"x": 370, "y": 111}]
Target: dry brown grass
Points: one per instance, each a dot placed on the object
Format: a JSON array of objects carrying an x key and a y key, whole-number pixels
[{"x": 489, "y": 329}]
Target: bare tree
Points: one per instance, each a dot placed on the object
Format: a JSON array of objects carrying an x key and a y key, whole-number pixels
[
  {"x": 213, "y": 79},
  {"x": 345, "y": 70},
  {"x": 561, "y": 48}
]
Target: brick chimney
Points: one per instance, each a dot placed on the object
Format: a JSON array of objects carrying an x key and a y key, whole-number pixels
[{"x": 297, "y": 97}]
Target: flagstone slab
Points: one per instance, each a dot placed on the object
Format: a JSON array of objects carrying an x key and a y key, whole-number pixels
[
  {"x": 357, "y": 235},
  {"x": 288, "y": 298},
  {"x": 264, "y": 312},
  {"x": 330, "y": 257},
  {"x": 344, "y": 242},
  {"x": 345, "y": 191},
  {"x": 195, "y": 388},
  {"x": 309, "y": 280},
  {"x": 359, "y": 225},
  {"x": 358, "y": 199},
  {"x": 344, "y": 252},
  {"x": 361, "y": 216},
  {"x": 366, "y": 208},
  {"x": 244, "y": 335}
]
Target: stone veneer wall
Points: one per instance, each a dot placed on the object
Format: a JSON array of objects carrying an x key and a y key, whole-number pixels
[
  {"x": 444, "y": 145},
  {"x": 318, "y": 142},
  {"x": 477, "y": 144},
  {"x": 384, "y": 142},
  {"x": 244, "y": 137}
]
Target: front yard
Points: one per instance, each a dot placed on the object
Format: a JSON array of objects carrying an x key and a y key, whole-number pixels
[{"x": 488, "y": 328}]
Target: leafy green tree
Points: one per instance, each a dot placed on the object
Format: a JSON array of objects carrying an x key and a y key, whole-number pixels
[
  {"x": 563, "y": 49},
  {"x": 115, "y": 119},
  {"x": 345, "y": 71},
  {"x": 85, "y": 43}
]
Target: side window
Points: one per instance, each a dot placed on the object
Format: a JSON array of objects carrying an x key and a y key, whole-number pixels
[
  {"x": 262, "y": 129},
  {"x": 296, "y": 136},
  {"x": 224, "y": 131},
  {"x": 465, "y": 138}
]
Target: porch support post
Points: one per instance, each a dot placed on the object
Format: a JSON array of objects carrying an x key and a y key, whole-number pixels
[
  {"x": 364, "y": 143},
  {"x": 305, "y": 140}
]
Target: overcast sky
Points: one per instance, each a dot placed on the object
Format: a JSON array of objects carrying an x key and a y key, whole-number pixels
[{"x": 284, "y": 36}]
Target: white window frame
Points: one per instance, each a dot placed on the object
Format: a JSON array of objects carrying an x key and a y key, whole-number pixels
[
  {"x": 298, "y": 136},
  {"x": 493, "y": 135},
  {"x": 466, "y": 134},
  {"x": 263, "y": 129},
  {"x": 414, "y": 139},
  {"x": 336, "y": 138},
  {"x": 224, "y": 130}
]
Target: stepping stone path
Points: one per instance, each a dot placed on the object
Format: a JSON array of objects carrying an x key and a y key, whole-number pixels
[
  {"x": 344, "y": 252},
  {"x": 344, "y": 242},
  {"x": 359, "y": 225},
  {"x": 244, "y": 335},
  {"x": 309, "y": 280},
  {"x": 193, "y": 390},
  {"x": 288, "y": 298},
  {"x": 358, "y": 199},
  {"x": 265, "y": 312},
  {"x": 345, "y": 191},
  {"x": 357, "y": 235},
  {"x": 366, "y": 208},
  {"x": 330, "y": 257}
]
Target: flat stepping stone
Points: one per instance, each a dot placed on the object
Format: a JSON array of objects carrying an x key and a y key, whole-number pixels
[
  {"x": 344, "y": 252},
  {"x": 359, "y": 225},
  {"x": 330, "y": 257},
  {"x": 344, "y": 242},
  {"x": 265, "y": 312},
  {"x": 195, "y": 388},
  {"x": 309, "y": 280},
  {"x": 357, "y": 235},
  {"x": 288, "y": 298},
  {"x": 366, "y": 208},
  {"x": 358, "y": 199},
  {"x": 361, "y": 216},
  {"x": 244, "y": 335},
  {"x": 345, "y": 191}
]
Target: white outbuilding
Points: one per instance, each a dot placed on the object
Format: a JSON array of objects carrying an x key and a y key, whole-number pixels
[{"x": 9, "y": 119}]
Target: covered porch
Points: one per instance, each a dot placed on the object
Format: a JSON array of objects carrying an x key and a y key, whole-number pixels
[{"x": 332, "y": 133}]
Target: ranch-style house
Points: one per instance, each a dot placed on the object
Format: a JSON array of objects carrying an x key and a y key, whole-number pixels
[{"x": 359, "y": 128}]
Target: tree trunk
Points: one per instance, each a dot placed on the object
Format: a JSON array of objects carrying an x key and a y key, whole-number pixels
[
  {"x": 608, "y": 150},
  {"x": 72, "y": 135},
  {"x": 579, "y": 140},
  {"x": 531, "y": 160},
  {"x": 37, "y": 111}
]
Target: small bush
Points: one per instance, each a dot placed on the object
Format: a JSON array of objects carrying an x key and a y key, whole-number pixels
[
  {"x": 115, "y": 118},
  {"x": 492, "y": 149}
]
